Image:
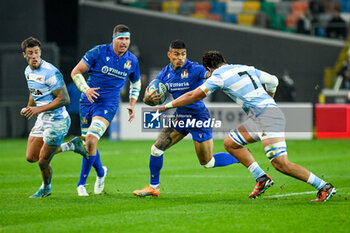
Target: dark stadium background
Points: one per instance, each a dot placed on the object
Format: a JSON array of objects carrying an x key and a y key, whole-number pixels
[{"x": 68, "y": 28}]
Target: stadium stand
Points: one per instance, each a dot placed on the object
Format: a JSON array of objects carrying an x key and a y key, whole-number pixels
[
  {"x": 186, "y": 8},
  {"x": 246, "y": 19},
  {"x": 274, "y": 14},
  {"x": 170, "y": 7}
]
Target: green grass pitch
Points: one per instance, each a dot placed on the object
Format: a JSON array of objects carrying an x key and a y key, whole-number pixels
[{"x": 192, "y": 199}]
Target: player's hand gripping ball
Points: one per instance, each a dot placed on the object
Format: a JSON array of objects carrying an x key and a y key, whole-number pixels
[{"x": 162, "y": 90}]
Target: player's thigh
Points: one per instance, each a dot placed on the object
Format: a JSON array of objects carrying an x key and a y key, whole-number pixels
[
  {"x": 34, "y": 146},
  {"x": 104, "y": 120},
  {"x": 204, "y": 151},
  {"x": 95, "y": 119},
  {"x": 97, "y": 127},
  {"x": 168, "y": 137}
]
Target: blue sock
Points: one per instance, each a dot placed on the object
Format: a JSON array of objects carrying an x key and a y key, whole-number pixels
[
  {"x": 223, "y": 159},
  {"x": 85, "y": 169},
  {"x": 98, "y": 165},
  {"x": 155, "y": 165}
]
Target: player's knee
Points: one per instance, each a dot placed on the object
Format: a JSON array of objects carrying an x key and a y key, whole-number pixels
[
  {"x": 229, "y": 144},
  {"x": 91, "y": 144},
  {"x": 236, "y": 139},
  {"x": 275, "y": 150},
  {"x": 31, "y": 159},
  {"x": 156, "y": 152},
  {"x": 210, "y": 164}
]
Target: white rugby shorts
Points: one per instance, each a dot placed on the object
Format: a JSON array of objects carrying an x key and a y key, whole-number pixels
[
  {"x": 52, "y": 131},
  {"x": 269, "y": 124}
]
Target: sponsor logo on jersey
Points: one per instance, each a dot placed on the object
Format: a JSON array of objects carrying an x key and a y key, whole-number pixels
[
  {"x": 113, "y": 72},
  {"x": 178, "y": 86},
  {"x": 127, "y": 65},
  {"x": 184, "y": 74},
  {"x": 35, "y": 91}
]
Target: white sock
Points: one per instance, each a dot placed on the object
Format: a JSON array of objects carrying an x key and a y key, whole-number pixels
[
  {"x": 316, "y": 181},
  {"x": 67, "y": 146},
  {"x": 252, "y": 166},
  {"x": 155, "y": 186}
]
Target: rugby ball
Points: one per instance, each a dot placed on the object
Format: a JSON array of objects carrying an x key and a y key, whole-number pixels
[{"x": 162, "y": 89}]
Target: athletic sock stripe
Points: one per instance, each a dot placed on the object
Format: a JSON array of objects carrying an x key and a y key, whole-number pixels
[
  {"x": 234, "y": 139},
  {"x": 277, "y": 148},
  {"x": 240, "y": 138},
  {"x": 281, "y": 152}
]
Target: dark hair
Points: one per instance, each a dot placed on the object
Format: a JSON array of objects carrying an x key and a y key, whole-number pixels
[
  {"x": 30, "y": 42},
  {"x": 177, "y": 44},
  {"x": 212, "y": 59},
  {"x": 120, "y": 28}
]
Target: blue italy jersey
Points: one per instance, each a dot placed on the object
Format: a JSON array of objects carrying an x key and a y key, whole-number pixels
[
  {"x": 41, "y": 82},
  {"x": 185, "y": 79},
  {"x": 242, "y": 84},
  {"x": 109, "y": 72}
]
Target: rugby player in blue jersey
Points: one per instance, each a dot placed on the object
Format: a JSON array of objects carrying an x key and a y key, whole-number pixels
[
  {"x": 181, "y": 76},
  {"x": 47, "y": 99},
  {"x": 266, "y": 122},
  {"x": 108, "y": 66}
]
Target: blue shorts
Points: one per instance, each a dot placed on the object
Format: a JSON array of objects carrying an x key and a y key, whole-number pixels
[
  {"x": 190, "y": 125},
  {"x": 89, "y": 110}
]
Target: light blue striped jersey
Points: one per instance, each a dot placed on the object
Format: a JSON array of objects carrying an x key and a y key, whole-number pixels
[
  {"x": 41, "y": 83},
  {"x": 242, "y": 84}
]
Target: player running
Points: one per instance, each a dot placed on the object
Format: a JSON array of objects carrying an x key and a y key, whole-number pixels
[
  {"x": 181, "y": 76},
  {"x": 266, "y": 122},
  {"x": 108, "y": 66},
  {"x": 47, "y": 99}
]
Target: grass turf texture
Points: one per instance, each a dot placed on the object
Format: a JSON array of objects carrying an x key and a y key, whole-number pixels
[{"x": 192, "y": 199}]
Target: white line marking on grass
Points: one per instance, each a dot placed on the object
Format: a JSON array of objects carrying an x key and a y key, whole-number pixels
[
  {"x": 291, "y": 194},
  {"x": 206, "y": 176}
]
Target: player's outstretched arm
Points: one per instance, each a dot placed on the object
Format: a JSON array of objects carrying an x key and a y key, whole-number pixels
[{"x": 186, "y": 99}]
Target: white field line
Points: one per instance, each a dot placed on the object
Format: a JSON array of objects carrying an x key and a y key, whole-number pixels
[{"x": 290, "y": 194}]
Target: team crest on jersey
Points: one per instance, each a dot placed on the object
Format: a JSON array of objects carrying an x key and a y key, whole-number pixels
[
  {"x": 127, "y": 65},
  {"x": 184, "y": 74},
  {"x": 84, "y": 120}
]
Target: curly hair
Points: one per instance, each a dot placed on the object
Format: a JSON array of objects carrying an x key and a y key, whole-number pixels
[{"x": 212, "y": 59}]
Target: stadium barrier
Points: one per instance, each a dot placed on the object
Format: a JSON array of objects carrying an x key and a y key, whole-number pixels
[
  {"x": 299, "y": 118},
  {"x": 332, "y": 120}
]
